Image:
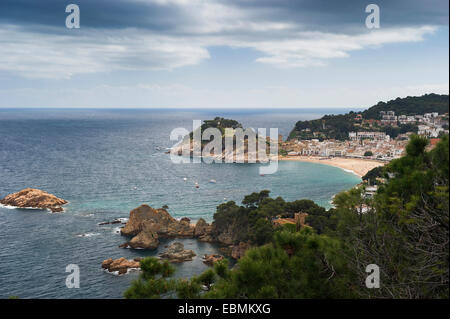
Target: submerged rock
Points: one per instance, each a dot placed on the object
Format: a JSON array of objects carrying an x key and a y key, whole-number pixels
[
  {"x": 120, "y": 265},
  {"x": 34, "y": 198},
  {"x": 176, "y": 253}
]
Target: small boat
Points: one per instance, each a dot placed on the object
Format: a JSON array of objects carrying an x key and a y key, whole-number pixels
[
  {"x": 184, "y": 179},
  {"x": 212, "y": 181}
]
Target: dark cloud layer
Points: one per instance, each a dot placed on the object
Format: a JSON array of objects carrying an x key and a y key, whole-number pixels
[
  {"x": 167, "y": 34},
  {"x": 170, "y": 16}
]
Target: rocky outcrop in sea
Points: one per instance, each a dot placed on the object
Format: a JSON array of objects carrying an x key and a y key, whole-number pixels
[
  {"x": 176, "y": 253},
  {"x": 34, "y": 198},
  {"x": 147, "y": 225},
  {"x": 121, "y": 265}
]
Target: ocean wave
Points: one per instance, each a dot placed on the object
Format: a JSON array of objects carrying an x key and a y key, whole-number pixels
[
  {"x": 116, "y": 273},
  {"x": 349, "y": 171},
  {"x": 88, "y": 235},
  {"x": 15, "y": 207}
]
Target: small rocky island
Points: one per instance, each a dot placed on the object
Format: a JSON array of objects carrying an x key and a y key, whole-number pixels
[
  {"x": 121, "y": 265},
  {"x": 34, "y": 198},
  {"x": 176, "y": 253}
]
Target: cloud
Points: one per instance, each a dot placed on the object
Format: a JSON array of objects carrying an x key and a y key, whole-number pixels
[{"x": 167, "y": 34}]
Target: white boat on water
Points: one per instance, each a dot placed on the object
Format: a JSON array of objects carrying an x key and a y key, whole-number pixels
[{"x": 212, "y": 181}]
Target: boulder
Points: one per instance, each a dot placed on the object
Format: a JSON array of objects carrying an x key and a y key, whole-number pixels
[
  {"x": 146, "y": 224},
  {"x": 145, "y": 239},
  {"x": 210, "y": 260},
  {"x": 176, "y": 253},
  {"x": 203, "y": 231},
  {"x": 159, "y": 221},
  {"x": 120, "y": 265},
  {"x": 34, "y": 198}
]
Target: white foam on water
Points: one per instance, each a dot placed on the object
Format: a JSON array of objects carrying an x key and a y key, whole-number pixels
[
  {"x": 116, "y": 273},
  {"x": 15, "y": 207},
  {"x": 88, "y": 235}
]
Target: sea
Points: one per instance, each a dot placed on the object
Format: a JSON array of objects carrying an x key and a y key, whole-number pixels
[{"x": 106, "y": 162}]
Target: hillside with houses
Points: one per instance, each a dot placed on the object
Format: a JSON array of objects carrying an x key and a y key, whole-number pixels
[{"x": 381, "y": 132}]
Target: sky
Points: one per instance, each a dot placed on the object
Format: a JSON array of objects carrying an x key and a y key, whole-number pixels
[{"x": 221, "y": 53}]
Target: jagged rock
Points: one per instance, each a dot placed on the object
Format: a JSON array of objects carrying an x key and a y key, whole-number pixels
[
  {"x": 159, "y": 221},
  {"x": 238, "y": 251},
  {"x": 120, "y": 265},
  {"x": 203, "y": 231},
  {"x": 212, "y": 259},
  {"x": 176, "y": 253},
  {"x": 145, "y": 239},
  {"x": 34, "y": 198},
  {"x": 185, "y": 220}
]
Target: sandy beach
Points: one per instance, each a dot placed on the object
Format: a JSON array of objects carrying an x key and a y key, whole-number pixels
[{"x": 358, "y": 166}]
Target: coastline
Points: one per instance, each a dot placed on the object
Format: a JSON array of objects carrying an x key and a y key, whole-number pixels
[{"x": 357, "y": 166}]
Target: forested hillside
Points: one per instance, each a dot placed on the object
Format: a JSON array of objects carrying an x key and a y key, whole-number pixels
[
  {"x": 410, "y": 105},
  {"x": 338, "y": 126}
]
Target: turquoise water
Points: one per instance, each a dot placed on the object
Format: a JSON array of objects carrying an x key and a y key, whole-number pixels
[{"x": 107, "y": 162}]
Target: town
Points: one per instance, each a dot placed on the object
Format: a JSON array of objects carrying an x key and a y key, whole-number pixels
[{"x": 376, "y": 144}]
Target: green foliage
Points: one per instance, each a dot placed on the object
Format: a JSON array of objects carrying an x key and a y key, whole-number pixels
[
  {"x": 261, "y": 231},
  {"x": 297, "y": 265},
  {"x": 153, "y": 282},
  {"x": 188, "y": 289},
  {"x": 207, "y": 278},
  {"x": 220, "y": 123},
  {"x": 405, "y": 231},
  {"x": 373, "y": 174},
  {"x": 368, "y": 153},
  {"x": 253, "y": 200},
  {"x": 252, "y": 222},
  {"x": 282, "y": 152},
  {"x": 411, "y": 105}
]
